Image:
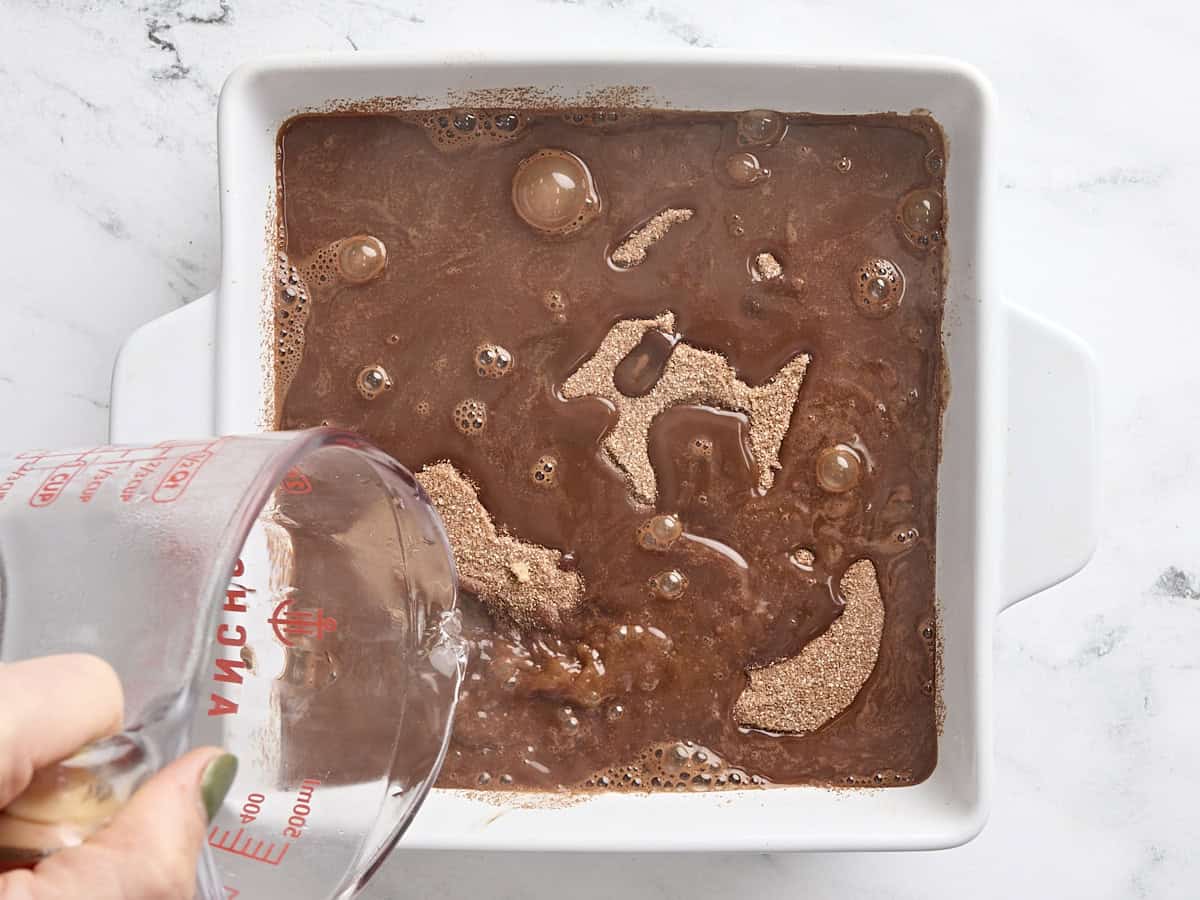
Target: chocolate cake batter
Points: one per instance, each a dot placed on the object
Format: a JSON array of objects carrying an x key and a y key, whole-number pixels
[{"x": 673, "y": 380}]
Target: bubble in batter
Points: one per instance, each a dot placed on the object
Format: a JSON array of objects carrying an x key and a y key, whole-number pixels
[
  {"x": 839, "y": 469},
  {"x": 553, "y": 192},
  {"x": 470, "y": 417},
  {"x": 760, "y": 127},
  {"x": 744, "y": 169},
  {"x": 802, "y": 558},
  {"x": 701, "y": 446},
  {"x": 507, "y": 122},
  {"x": 372, "y": 380},
  {"x": 361, "y": 258},
  {"x": 878, "y": 287},
  {"x": 566, "y": 715},
  {"x": 492, "y": 361},
  {"x": 659, "y": 532},
  {"x": 934, "y": 162},
  {"x": 920, "y": 216},
  {"x": 844, "y": 164},
  {"x": 545, "y": 471},
  {"x": 465, "y": 121},
  {"x": 555, "y": 300},
  {"x": 669, "y": 585}
]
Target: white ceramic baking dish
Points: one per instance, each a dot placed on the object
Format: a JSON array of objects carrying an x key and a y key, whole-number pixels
[{"x": 1009, "y": 524}]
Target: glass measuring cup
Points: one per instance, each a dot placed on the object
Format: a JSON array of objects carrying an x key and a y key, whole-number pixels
[{"x": 294, "y": 589}]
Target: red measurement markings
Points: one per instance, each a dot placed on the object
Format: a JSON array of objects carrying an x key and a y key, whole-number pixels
[
  {"x": 55, "y": 483},
  {"x": 293, "y": 623},
  {"x": 63, "y": 470},
  {"x": 230, "y": 893},
  {"x": 302, "y": 809},
  {"x": 93, "y": 484},
  {"x": 252, "y": 807},
  {"x": 179, "y": 476},
  {"x": 16, "y": 475},
  {"x": 140, "y": 474},
  {"x": 241, "y": 844},
  {"x": 296, "y": 482},
  {"x": 149, "y": 460}
]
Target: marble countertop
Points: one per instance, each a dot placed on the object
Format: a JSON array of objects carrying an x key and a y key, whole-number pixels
[{"x": 109, "y": 219}]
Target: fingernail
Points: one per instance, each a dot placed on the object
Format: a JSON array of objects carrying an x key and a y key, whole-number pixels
[{"x": 216, "y": 781}]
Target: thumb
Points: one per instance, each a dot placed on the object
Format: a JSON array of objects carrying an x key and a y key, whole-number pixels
[{"x": 150, "y": 848}]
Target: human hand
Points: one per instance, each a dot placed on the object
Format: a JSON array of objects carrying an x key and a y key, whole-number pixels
[{"x": 148, "y": 850}]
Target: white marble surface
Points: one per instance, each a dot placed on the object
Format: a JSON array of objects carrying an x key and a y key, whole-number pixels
[{"x": 108, "y": 218}]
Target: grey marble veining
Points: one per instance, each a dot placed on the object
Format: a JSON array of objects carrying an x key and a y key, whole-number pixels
[{"x": 109, "y": 219}]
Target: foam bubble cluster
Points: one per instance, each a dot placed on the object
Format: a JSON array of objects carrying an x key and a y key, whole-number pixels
[
  {"x": 659, "y": 532},
  {"x": 458, "y": 129},
  {"x": 291, "y": 315},
  {"x": 877, "y": 287},
  {"x": 492, "y": 361},
  {"x": 470, "y": 417},
  {"x": 679, "y": 766},
  {"x": 353, "y": 260},
  {"x": 545, "y": 471}
]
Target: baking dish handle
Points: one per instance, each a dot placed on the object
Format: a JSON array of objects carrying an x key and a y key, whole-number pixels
[
  {"x": 1051, "y": 487},
  {"x": 163, "y": 380}
]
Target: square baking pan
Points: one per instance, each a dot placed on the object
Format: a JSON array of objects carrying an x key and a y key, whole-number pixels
[{"x": 1008, "y": 523}]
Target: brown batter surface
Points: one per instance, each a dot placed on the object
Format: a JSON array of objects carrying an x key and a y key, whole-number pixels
[{"x": 677, "y": 393}]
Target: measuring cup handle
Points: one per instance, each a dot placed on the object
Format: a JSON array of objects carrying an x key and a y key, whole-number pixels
[
  {"x": 163, "y": 380},
  {"x": 1052, "y": 480}
]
